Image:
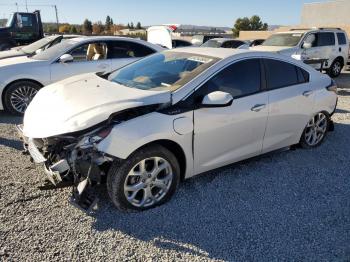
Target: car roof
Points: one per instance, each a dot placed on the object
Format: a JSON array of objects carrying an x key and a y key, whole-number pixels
[
  {"x": 221, "y": 40},
  {"x": 84, "y": 39},
  {"x": 209, "y": 51}
]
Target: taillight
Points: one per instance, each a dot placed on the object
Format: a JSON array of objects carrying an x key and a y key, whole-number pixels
[{"x": 333, "y": 87}]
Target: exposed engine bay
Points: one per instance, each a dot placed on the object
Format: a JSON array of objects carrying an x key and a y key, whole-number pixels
[{"x": 74, "y": 160}]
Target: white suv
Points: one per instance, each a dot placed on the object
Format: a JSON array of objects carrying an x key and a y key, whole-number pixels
[{"x": 308, "y": 44}]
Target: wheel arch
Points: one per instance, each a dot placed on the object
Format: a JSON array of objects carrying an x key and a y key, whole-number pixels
[
  {"x": 173, "y": 147},
  {"x": 16, "y": 81}
]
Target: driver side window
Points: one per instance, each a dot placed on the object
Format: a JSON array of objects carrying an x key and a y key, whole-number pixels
[
  {"x": 90, "y": 52},
  {"x": 240, "y": 79}
]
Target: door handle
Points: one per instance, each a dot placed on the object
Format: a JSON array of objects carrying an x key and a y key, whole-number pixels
[
  {"x": 258, "y": 108},
  {"x": 340, "y": 49},
  {"x": 307, "y": 93}
]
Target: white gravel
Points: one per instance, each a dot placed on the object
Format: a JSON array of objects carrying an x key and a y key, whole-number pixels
[{"x": 292, "y": 205}]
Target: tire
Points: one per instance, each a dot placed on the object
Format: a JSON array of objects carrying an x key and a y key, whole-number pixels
[
  {"x": 18, "y": 96},
  {"x": 335, "y": 68},
  {"x": 122, "y": 176},
  {"x": 312, "y": 135}
]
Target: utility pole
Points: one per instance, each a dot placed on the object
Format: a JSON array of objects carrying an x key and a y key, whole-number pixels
[
  {"x": 17, "y": 6},
  {"x": 58, "y": 26},
  {"x": 27, "y": 6}
]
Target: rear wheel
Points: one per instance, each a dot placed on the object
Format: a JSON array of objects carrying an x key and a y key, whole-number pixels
[
  {"x": 148, "y": 178},
  {"x": 336, "y": 68},
  {"x": 315, "y": 131},
  {"x": 19, "y": 95}
]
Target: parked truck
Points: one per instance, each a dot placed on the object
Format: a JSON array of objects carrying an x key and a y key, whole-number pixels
[{"x": 21, "y": 29}]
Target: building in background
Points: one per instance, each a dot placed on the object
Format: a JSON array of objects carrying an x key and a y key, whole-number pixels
[{"x": 335, "y": 13}]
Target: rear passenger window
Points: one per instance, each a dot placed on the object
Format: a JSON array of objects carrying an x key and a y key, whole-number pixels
[
  {"x": 126, "y": 49},
  {"x": 303, "y": 76},
  {"x": 325, "y": 39},
  {"x": 239, "y": 79},
  {"x": 341, "y": 39},
  {"x": 280, "y": 74}
]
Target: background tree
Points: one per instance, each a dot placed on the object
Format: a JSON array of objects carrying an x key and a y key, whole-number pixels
[
  {"x": 108, "y": 23},
  {"x": 87, "y": 27},
  {"x": 64, "y": 28},
  {"x": 132, "y": 25},
  {"x": 97, "y": 28},
  {"x": 249, "y": 24},
  {"x": 138, "y": 25},
  {"x": 73, "y": 29}
]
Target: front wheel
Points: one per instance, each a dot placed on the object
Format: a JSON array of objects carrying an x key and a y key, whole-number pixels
[
  {"x": 315, "y": 131},
  {"x": 148, "y": 178},
  {"x": 19, "y": 95}
]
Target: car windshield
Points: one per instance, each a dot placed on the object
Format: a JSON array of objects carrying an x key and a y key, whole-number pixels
[
  {"x": 291, "y": 39},
  {"x": 55, "y": 51},
  {"x": 42, "y": 43},
  {"x": 212, "y": 43},
  {"x": 168, "y": 70}
]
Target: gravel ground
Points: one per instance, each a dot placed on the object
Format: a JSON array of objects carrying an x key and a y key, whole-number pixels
[{"x": 292, "y": 205}]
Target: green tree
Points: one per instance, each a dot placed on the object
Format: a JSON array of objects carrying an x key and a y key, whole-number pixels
[
  {"x": 73, "y": 29},
  {"x": 87, "y": 27},
  {"x": 108, "y": 23},
  {"x": 128, "y": 25},
  {"x": 138, "y": 25},
  {"x": 132, "y": 25},
  {"x": 249, "y": 24}
]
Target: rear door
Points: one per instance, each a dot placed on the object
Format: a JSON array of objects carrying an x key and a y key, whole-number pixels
[
  {"x": 343, "y": 45},
  {"x": 88, "y": 58},
  {"x": 121, "y": 53},
  {"x": 291, "y": 100},
  {"x": 223, "y": 135}
]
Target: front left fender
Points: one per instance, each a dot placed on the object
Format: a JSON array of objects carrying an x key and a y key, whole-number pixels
[{"x": 126, "y": 137}]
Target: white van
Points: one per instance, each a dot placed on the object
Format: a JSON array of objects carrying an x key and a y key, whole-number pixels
[
  {"x": 331, "y": 44},
  {"x": 164, "y": 36}
]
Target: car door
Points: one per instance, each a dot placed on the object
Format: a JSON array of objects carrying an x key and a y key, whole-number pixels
[
  {"x": 343, "y": 47},
  {"x": 122, "y": 53},
  {"x": 323, "y": 46},
  {"x": 291, "y": 101},
  {"x": 223, "y": 135},
  {"x": 87, "y": 58}
]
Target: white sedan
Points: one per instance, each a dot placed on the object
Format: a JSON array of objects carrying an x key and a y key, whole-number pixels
[
  {"x": 171, "y": 116},
  {"x": 22, "y": 77}
]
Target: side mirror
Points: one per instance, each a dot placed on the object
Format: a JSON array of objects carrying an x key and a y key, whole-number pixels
[
  {"x": 217, "y": 99},
  {"x": 66, "y": 58},
  {"x": 307, "y": 45}
]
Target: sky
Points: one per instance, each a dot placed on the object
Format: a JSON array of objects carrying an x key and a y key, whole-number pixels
[{"x": 153, "y": 12}]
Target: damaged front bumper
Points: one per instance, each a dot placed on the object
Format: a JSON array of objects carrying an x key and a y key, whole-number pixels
[{"x": 81, "y": 173}]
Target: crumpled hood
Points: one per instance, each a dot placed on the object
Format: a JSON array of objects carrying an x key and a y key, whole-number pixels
[
  {"x": 11, "y": 53},
  {"x": 80, "y": 102}
]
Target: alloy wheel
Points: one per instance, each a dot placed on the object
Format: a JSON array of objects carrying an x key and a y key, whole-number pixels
[
  {"x": 21, "y": 98},
  {"x": 148, "y": 182},
  {"x": 337, "y": 68},
  {"x": 316, "y": 129}
]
